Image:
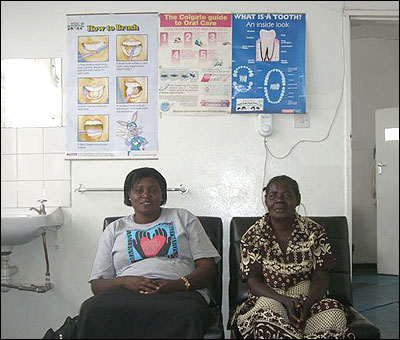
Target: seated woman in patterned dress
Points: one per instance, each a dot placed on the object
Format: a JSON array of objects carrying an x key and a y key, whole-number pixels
[{"x": 285, "y": 259}]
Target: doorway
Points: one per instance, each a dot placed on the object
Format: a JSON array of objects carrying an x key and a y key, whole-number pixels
[{"x": 374, "y": 45}]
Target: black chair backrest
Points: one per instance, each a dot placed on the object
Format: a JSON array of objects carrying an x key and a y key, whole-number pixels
[
  {"x": 213, "y": 227},
  {"x": 339, "y": 278}
]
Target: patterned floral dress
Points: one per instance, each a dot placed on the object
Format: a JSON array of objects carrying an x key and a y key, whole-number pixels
[{"x": 288, "y": 274}]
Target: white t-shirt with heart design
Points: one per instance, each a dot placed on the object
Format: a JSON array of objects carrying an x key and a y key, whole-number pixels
[{"x": 165, "y": 248}]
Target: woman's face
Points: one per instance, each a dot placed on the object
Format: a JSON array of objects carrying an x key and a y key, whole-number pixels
[
  {"x": 146, "y": 197},
  {"x": 281, "y": 200}
]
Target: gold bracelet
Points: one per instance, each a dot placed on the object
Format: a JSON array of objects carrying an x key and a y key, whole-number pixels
[{"x": 187, "y": 283}]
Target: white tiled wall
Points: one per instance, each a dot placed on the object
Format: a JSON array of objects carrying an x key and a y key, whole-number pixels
[{"x": 33, "y": 167}]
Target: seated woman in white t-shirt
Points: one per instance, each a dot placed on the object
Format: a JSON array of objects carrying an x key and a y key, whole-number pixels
[{"x": 151, "y": 269}]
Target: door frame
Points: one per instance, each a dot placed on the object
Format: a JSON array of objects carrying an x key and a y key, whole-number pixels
[{"x": 349, "y": 15}]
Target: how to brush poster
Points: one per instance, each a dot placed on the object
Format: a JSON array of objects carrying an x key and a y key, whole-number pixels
[
  {"x": 111, "y": 93},
  {"x": 268, "y": 63}
]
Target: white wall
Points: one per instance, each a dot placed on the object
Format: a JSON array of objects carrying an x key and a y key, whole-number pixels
[{"x": 221, "y": 159}]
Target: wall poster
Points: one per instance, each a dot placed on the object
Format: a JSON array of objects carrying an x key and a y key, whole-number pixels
[
  {"x": 195, "y": 63},
  {"x": 268, "y": 63},
  {"x": 112, "y": 86}
]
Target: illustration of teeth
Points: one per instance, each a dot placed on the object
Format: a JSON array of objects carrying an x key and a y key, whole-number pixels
[
  {"x": 94, "y": 93},
  {"x": 133, "y": 89},
  {"x": 267, "y": 44},
  {"x": 94, "y": 129},
  {"x": 93, "y": 46},
  {"x": 131, "y": 47}
]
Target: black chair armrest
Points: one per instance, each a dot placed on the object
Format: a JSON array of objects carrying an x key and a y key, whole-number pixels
[{"x": 361, "y": 326}]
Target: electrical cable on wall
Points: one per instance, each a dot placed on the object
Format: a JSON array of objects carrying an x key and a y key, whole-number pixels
[
  {"x": 268, "y": 151},
  {"x": 331, "y": 124}
]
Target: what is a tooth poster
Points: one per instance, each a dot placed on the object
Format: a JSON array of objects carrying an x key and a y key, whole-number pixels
[
  {"x": 195, "y": 63},
  {"x": 268, "y": 63},
  {"x": 112, "y": 86}
]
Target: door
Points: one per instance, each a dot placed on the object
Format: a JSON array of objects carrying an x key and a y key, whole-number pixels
[{"x": 387, "y": 189}]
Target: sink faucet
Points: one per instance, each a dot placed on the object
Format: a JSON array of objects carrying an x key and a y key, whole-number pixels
[{"x": 42, "y": 208}]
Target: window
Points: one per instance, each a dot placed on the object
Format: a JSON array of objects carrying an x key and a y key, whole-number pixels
[{"x": 31, "y": 92}]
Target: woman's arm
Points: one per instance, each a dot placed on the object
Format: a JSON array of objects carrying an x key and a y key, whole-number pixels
[
  {"x": 201, "y": 276},
  {"x": 137, "y": 284},
  {"x": 203, "y": 273},
  {"x": 318, "y": 288}
]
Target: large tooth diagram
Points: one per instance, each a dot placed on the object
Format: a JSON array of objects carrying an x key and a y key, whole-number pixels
[{"x": 267, "y": 46}]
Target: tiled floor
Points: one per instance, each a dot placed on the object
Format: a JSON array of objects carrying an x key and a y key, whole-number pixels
[{"x": 377, "y": 298}]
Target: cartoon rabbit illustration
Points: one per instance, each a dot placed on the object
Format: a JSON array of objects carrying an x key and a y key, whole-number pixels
[{"x": 129, "y": 131}]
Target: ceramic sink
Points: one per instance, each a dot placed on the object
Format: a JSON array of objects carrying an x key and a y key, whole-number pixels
[{"x": 21, "y": 225}]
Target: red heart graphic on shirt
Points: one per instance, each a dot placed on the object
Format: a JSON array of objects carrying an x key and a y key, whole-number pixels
[{"x": 151, "y": 247}]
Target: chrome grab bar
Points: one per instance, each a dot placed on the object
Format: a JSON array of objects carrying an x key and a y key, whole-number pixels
[{"x": 81, "y": 189}]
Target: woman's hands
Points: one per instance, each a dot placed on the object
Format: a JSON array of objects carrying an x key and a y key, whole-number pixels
[
  {"x": 304, "y": 314},
  {"x": 200, "y": 277},
  {"x": 318, "y": 288},
  {"x": 170, "y": 286},
  {"x": 294, "y": 309},
  {"x": 142, "y": 285},
  {"x": 139, "y": 284}
]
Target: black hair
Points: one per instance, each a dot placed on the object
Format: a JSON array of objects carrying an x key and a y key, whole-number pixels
[
  {"x": 290, "y": 181},
  {"x": 136, "y": 175}
]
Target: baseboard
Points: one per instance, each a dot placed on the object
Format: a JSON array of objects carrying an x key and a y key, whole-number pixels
[
  {"x": 357, "y": 266},
  {"x": 365, "y": 268}
]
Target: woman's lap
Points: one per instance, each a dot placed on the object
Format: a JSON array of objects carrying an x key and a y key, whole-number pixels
[
  {"x": 268, "y": 318},
  {"x": 119, "y": 313}
]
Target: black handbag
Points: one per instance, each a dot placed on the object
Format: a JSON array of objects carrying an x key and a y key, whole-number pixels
[{"x": 67, "y": 331}]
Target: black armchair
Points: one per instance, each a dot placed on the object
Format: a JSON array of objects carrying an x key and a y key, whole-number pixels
[
  {"x": 213, "y": 227},
  {"x": 339, "y": 278}
]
